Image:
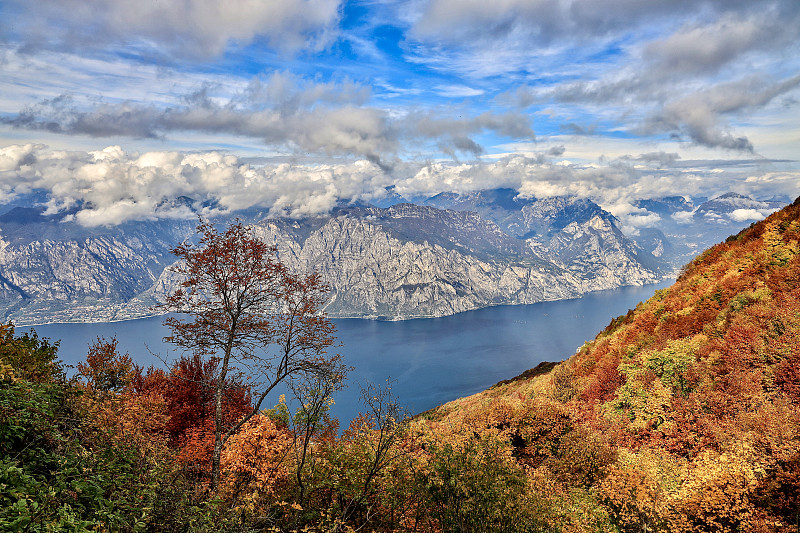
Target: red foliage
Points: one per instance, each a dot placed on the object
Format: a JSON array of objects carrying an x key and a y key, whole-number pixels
[
  {"x": 683, "y": 325},
  {"x": 607, "y": 379},
  {"x": 188, "y": 391},
  {"x": 787, "y": 377},
  {"x": 691, "y": 431}
]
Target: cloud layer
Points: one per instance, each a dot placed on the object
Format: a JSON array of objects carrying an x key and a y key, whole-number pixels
[
  {"x": 191, "y": 29},
  {"x": 336, "y": 99},
  {"x": 111, "y": 186},
  {"x": 281, "y": 111}
]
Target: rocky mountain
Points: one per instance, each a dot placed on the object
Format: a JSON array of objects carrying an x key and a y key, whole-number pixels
[
  {"x": 573, "y": 231},
  {"x": 729, "y": 203},
  {"x": 409, "y": 261},
  {"x": 666, "y": 205},
  {"x": 520, "y": 217},
  {"x": 415, "y": 261},
  {"x": 398, "y": 262},
  {"x": 443, "y": 255},
  {"x": 687, "y": 227},
  {"x": 59, "y": 271}
]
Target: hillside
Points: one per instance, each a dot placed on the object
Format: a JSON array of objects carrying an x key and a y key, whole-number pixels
[{"x": 683, "y": 415}]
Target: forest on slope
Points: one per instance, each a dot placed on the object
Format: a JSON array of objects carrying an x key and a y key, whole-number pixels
[{"x": 683, "y": 415}]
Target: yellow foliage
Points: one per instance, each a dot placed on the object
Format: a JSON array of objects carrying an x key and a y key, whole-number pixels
[
  {"x": 7, "y": 372},
  {"x": 778, "y": 250},
  {"x": 639, "y": 487},
  {"x": 714, "y": 496},
  {"x": 563, "y": 382},
  {"x": 256, "y": 462}
]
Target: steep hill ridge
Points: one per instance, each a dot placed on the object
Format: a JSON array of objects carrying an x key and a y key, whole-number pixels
[{"x": 683, "y": 415}]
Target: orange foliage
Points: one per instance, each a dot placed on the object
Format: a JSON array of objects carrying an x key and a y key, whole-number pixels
[
  {"x": 105, "y": 369},
  {"x": 258, "y": 456}
]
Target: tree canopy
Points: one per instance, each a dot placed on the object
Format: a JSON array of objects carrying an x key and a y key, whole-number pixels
[{"x": 261, "y": 322}]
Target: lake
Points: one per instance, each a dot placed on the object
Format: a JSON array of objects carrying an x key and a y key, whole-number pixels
[{"x": 431, "y": 361}]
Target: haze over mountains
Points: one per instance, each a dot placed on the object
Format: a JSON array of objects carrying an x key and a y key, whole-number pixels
[{"x": 434, "y": 257}]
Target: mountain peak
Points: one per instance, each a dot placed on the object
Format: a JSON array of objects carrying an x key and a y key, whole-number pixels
[{"x": 731, "y": 195}]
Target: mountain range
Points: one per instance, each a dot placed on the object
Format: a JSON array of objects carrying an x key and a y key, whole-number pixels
[{"x": 393, "y": 260}]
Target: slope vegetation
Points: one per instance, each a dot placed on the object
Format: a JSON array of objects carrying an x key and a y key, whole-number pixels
[{"x": 683, "y": 415}]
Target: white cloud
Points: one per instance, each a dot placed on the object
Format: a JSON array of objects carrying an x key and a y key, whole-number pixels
[
  {"x": 632, "y": 218},
  {"x": 191, "y": 28},
  {"x": 460, "y": 34},
  {"x": 743, "y": 215},
  {"x": 457, "y": 91},
  {"x": 14, "y": 157},
  {"x": 683, "y": 217},
  {"x": 773, "y": 183},
  {"x": 699, "y": 71},
  {"x": 114, "y": 186}
]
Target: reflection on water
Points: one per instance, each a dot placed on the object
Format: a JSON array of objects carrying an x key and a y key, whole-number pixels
[{"x": 432, "y": 361}]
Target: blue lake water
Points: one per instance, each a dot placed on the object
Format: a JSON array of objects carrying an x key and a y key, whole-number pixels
[{"x": 431, "y": 361}]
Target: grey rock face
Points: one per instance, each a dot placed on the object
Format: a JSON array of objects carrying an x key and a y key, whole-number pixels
[
  {"x": 598, "y": 253},
  {"x": 373, "y": 274},
  {"x": 410, "y": 261},
  {"x": 404, "y": 261},
  {"x": 74, "y": 274}
]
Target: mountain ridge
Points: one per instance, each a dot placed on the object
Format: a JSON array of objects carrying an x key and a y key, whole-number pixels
[{"x": 465, "y": 251}]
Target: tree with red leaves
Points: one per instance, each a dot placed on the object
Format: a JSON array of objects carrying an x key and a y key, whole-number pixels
[{"x": 262, "y": 323}]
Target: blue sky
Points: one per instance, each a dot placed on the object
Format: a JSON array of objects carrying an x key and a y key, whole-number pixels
[{"x": 298, "y": 104}]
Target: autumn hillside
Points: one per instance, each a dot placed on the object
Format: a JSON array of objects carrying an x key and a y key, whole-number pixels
[{"x": 683, "y": 415}]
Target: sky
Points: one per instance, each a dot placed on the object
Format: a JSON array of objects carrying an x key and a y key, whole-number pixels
[{"x": 109, "y": 109}]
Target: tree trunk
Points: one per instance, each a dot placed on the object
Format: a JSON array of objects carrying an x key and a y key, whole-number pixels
[
  {"x": 220, "y": 386},
  {"x": 215, "y": 460}
]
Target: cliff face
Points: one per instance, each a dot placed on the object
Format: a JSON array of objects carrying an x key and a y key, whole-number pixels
[
  {"x": 411, "y": 261},
  {"x": 400, "y": 262},
  {"x": 52, "y": 271},
  {"x": 374, "y": 273}
]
